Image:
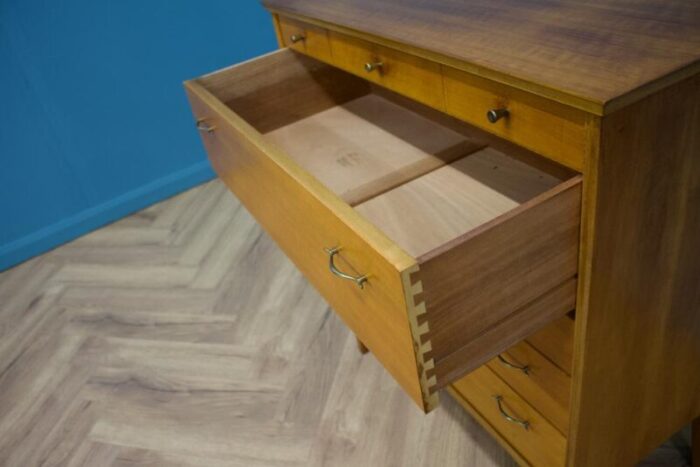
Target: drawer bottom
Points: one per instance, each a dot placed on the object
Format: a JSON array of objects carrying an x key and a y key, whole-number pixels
[{"x": 522, "y": 431}]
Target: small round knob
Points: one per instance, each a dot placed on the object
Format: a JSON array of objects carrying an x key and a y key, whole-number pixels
[
  {"x": 371, "y": 66},
  {"x": 495, "y": 115},
  {"x": 297, "y": 38}
]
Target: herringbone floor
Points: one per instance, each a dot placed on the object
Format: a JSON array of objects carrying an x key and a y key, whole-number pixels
[{"x": 182, "y": 336}]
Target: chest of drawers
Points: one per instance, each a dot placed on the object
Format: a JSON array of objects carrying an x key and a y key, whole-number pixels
[{"x": 454, "y": 209}]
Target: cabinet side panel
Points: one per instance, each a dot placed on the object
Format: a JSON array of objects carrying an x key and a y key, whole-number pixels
[{"x": 636, "y": 378}]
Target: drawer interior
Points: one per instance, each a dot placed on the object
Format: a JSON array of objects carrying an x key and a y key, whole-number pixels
[
  {"x": 364, "y": 147},
  {"x": 422, "y": 178},
  {"x": 428, "y": 212},
  {"x": 470, "y": 242}
]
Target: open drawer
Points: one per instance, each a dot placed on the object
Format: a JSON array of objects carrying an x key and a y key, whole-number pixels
[{"x": 436, "y": 249}]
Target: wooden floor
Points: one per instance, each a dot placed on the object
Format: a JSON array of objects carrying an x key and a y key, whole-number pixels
[{"x": 182, "y": 336}]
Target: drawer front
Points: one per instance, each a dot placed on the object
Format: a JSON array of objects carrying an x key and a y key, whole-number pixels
[
  {"x": 537, "y": 380},
  {"x": 304, "y": 218},
  {"x": 405, "y": 74},
  {"x": 306, "y": 38},
  {"x": 556, "y": 342},
  {"x": 541, "y": 444},
  {"x": 548, "y": 128}
]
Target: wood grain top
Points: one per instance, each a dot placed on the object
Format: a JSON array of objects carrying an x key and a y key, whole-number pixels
[{"x": 594, "y": 51}]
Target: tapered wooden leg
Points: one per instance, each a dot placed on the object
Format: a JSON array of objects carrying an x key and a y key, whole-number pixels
[
  {"x": 695, "y": 442},
  {"x": 361, "y": 347}
]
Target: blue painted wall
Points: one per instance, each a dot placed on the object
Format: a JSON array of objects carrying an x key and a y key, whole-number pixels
[{"x": 94, "y": 122}]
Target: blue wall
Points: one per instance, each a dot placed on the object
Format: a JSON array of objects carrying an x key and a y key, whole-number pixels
[{"x": 94, "y": 122}]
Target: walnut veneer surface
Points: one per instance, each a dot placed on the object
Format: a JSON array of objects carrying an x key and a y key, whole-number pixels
[{"x": 595, "y": 52}]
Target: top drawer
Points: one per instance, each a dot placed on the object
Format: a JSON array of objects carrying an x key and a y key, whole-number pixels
[
  {"x": 438, "y": 252},
  {"x": 305, "y": 38},
  {"x": 409, "y": 75},
  {"x": 549, "y": 128}
]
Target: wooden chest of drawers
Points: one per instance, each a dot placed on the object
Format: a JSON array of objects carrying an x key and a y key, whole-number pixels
[{"x": 453, "y": 215}]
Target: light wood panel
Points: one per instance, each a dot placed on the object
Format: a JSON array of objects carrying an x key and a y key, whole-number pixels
[
  {"x": 545, "y": 386},
  {"x": 305, "y": 38},
  {"x": 369, "y": 145},
  {"x": 304, "y": 218},
  {"x": 638, "y": 328},
  {"x": 406, "y": 74},
  {"x": 428, "y": 212},
  {"x": 541, "y": 444},
  {"x": 556, "y": 342},
  {"x": 597, "y": 56},
  {"x": 546, "y": 127}
]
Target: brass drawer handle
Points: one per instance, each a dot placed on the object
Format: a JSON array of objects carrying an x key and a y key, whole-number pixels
[
  {"x": 525, "y": 369},
  {"x": 203, "y": 126},
  {"x": 371, "y": 66},
  {"x": 495, "y": 115},
  {"x": 297, "y": 38},
  {"x": 523, "y": 423},
  {"x": 359, "y": 280}
]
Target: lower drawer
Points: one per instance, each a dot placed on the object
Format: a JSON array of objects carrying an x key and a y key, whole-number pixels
[
  {"x": 526, "y": 434},
  {"x": 556, "y": 342},
  {"x": 537, "y": 380},
  {"x": 437, "y": 251}
]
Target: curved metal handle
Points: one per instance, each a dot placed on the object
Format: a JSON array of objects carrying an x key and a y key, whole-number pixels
[
  {"x": 202, "y": 126},
  {"x": 495, "y": 115},
  {"x": 525, "y": 369},
  {"x": 371, "y": 66},
  {"x": 359, "y": 280},
  {"x": 523, "y": 423},
  {"x": 297, "y": 38}
]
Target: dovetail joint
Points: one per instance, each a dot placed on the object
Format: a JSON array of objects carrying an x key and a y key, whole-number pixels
[{"x": 421, "y": 346}]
